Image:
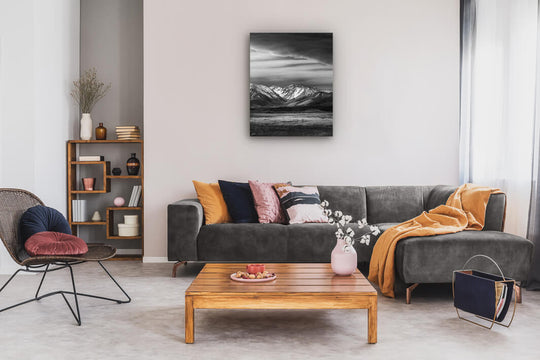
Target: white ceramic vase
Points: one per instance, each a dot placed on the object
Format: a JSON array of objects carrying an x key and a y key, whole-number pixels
[
  {"x": 86, "y": 127},
  {"x": 343, "y": 262}
]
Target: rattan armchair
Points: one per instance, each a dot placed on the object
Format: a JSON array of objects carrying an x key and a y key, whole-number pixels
[{"x": 13, "y": 203}]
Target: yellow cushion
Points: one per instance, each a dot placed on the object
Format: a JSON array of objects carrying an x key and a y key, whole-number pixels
[{"x": 215, "y": 209}]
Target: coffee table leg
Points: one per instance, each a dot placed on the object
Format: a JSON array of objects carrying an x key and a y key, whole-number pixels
[
  {"x": 190, "y": 337},
  {"x": 372, "y": 321}
]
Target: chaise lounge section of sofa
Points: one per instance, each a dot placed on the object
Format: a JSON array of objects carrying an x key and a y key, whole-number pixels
[{"x": 429, "y": 259}]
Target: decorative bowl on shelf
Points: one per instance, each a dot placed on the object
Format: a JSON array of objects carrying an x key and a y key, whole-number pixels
[{"x": 255, "y": 268}]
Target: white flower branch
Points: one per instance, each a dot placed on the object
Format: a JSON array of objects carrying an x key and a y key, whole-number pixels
[{"x": 346, "y": 233}]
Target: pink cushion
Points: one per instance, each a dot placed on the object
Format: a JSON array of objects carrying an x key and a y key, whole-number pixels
[
  {"x": 48, "y": 243},
  {"x": 267, "y": 203}
]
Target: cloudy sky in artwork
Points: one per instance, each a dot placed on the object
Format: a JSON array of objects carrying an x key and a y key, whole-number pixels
[{"x": 292, "y": 58}]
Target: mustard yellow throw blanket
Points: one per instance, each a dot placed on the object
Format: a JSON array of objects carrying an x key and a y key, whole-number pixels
[{"x": 465, "y": 209}]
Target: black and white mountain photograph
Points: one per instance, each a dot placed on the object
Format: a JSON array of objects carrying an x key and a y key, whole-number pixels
[{"x": 291, "y": 78}]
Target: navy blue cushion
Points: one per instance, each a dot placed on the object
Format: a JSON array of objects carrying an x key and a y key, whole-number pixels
[
  {"x": 42, "y": 218},
  {"x": 239, "y": 200}
]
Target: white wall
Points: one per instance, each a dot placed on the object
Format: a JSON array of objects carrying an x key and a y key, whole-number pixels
[
  {"x": 39, "y": 59},
  {"x": 396, "y": 94}
]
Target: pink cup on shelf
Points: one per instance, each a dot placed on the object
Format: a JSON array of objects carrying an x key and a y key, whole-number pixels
[{"x": 88, "y": 183}]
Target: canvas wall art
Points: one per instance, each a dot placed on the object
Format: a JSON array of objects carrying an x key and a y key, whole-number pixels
[{"x": 291, "y": 79}]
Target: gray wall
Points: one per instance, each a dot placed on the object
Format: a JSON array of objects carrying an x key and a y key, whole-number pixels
[{"x": 112, "y": 42}]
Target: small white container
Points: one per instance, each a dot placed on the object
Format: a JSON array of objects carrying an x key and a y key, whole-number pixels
[
  {"x": 128, "y": 230},
  {"x": 131, "y": 219}
]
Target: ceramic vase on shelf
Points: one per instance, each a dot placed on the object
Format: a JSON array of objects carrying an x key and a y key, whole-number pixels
[
  {"x": 133, "y": 165},
  {"x": 343, "y": 262},
  {"x": 101, "y": 132},
  {"x": 86, "y": 127}
]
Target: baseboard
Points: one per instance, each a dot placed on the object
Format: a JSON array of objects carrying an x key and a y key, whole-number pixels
[{"x": 157, "y": 259}]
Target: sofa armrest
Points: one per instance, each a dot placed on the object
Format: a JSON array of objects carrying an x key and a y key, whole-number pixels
[{"x": 184, "y": 220}]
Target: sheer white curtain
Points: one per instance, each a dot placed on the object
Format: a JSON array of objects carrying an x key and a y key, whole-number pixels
[{"x": 499, "y": 54}]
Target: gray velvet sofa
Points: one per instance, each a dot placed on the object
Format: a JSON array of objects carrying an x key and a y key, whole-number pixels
[{"x": 418, "y": 260}]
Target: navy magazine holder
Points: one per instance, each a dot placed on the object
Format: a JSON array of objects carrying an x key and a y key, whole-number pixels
[{"x": 484, "y": 295}]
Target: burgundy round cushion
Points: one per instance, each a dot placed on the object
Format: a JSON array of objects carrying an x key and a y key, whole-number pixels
[{"x": 48, "y": 243}]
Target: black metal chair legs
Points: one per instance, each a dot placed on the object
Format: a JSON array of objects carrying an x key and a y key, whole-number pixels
[{"x": 59, "y": 266}]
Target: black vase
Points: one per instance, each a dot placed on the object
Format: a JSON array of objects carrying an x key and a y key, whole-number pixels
[{"x": 133, "y": 165}]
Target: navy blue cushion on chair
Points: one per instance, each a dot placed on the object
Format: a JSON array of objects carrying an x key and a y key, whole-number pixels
[
  {"x": 42, "y": 218},
  {"x": 239, "y": 200}
]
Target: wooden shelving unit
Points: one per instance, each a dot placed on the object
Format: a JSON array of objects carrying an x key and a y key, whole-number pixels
[{"x": 74, "y": 193}]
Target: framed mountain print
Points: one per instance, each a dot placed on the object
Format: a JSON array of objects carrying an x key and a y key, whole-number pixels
[{"x": 291, "y": 80}]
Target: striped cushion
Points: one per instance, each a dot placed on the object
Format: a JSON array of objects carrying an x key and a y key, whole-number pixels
[{"x": 301, "y": 204}]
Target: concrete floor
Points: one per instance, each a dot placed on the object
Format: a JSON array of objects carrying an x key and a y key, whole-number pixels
[{"x": 152, "y": 325}]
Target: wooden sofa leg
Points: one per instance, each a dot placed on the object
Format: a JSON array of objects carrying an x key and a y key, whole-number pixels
[
  {"x": 409, "y": 292},
  {"x": 517, "y": 289},
  {"x": 176, "y": 266}
]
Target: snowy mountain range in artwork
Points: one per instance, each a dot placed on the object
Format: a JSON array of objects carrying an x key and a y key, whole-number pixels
[
  {"x": 291, "y": 76},
  {"x": 292, "y": 96}
]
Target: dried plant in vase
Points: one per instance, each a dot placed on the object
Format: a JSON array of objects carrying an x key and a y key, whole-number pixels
[
  {"x": 343, "y": 258},
  {"x": 87, "y": 91}
]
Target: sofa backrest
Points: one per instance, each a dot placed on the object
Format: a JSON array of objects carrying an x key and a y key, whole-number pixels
[
  {"x": 351, "y": 200},
  {"x": 394, "y": 204},
  {"x": 495, "y": 210}
]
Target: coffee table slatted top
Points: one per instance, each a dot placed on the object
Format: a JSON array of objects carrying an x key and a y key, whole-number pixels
[{"x": 291, "y": 278}]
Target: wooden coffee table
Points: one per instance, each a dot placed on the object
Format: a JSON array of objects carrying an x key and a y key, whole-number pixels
[{"x": 298, "y": 286}]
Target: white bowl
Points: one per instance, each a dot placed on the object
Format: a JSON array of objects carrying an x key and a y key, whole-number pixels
[
  {"x": 128, "y": 230},
  {"x": 131, "y": 219}
]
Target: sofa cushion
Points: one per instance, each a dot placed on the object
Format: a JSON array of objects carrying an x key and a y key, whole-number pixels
[
  {"x": 267, "y": 203},
  {"x": 211, "y": 199},
  {"x": 351, "y": 200},
  {"x": 432, "y": 259},
  {"x": 242, "y": 242},
  {"x": 495, "y": 209},
  {"x": 50, "y": 243},
  {"x": 273, "y": 243},
  {"x": 315, "y": 242},
  {"x": 495, "y": 212},
  {"x": 42, "y": 218},
  {"x": 239, "y": 200},
  {"x": 301, "y": 204},
  {"x": 393, "y": 203},
  {"x": 310, "y": 242},
  {"x": 385, "y": 226},
  {"x": 438, "y": 196}
]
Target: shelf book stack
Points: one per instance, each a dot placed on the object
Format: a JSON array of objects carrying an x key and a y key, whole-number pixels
[
  {"x": 135, "y": 196},
  {"x": 128, "y": 132},
  {"x": 79, "y": 211},
  {"x": 91, "y": 158}
]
